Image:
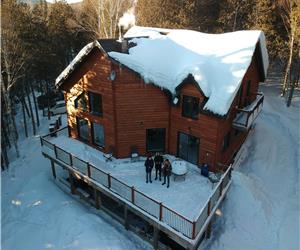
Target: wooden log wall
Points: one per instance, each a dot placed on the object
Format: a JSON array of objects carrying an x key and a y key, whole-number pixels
[{"x": 131, "y": 106}]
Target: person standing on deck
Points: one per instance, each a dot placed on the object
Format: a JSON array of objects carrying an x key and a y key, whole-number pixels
[
  {"x": 149, "y": 163},
  {"x": 167, "y": 170},
  {"x": 158, "y": 160}
]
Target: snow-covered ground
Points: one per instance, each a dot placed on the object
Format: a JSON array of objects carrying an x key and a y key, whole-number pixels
[
  {"x": 262, "y": 207},
  {"x": 37, "y": 214},
  {"x": 261, "y": 210}
]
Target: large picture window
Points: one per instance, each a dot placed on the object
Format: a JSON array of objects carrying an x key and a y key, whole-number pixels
[
  {"x": 98, "y": 134},
  {"x": 156, "y": 139},
  {"x": 83, "y": 128},
  {"x": 190, "y": 107},
  {"x": 81, "y": 102},
  {"x": 95, "y": 103}
]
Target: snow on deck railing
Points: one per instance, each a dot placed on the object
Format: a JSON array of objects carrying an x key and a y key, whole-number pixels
[
  {"x": 151, "y": 206},
  {"x": 212, "y": 203},
  {"x": 246, "y": 116}
]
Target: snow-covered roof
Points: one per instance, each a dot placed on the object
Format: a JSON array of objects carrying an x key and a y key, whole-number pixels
[
  {"x": 165, "y": 57},
  {"x": 218, "y": 62},
  {"x": 80, "y": 56}
]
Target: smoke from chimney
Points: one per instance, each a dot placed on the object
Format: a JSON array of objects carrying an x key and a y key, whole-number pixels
[{"x": 127, "y": 20}]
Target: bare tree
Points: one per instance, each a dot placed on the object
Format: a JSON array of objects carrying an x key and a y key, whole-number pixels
[
  {"x": 100, "y": 17},
  {"x": 290, "y": 14}
]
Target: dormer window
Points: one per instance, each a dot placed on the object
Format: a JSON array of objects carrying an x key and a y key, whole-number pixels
[
  {"x": 81, "y": 102},
  {"x": 190, "y": 107}
]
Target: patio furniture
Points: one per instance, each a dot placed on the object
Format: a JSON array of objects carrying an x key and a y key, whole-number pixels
[
  {"x": 134, "y": 154},
  {"x": 179, "y": 169}
]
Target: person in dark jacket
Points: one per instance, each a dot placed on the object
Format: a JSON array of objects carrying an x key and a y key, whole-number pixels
[
  {"x": 149, "y": 163},
  {"x": 167, "y": 171},
  {"x": 158, "y": 160}
]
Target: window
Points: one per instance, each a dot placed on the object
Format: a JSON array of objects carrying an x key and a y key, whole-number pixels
[
  {"x": 81, "y": 102},
  {"x": 95, "y": 103},
  {"x": 248, "y": 87},
  {"x": 156, "y": 139},
  {"x": 226, "y": 141},
  {"x": 240, "y": 96},
  {"x": 190, "y": 107},
  {"x": 247, "y": 100},
  {"x": 98, "y": 134},
  {"x": 83, "y": 128}
]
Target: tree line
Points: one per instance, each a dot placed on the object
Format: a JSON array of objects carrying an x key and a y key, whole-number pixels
[{"x": 39, "y": 40}]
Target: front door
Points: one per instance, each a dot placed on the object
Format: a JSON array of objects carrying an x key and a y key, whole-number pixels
[{"x": 188, "y": 147}]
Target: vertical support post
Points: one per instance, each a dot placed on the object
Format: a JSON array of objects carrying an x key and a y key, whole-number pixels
[
  {"x": 71, "y": 161},
  {"x": 155, "y": 237},
  {"x": 89, "y": 170},
  {"x": 221, "y": 187},
  {"x": 160, "y": 211},
  {"x": 194, "y": 230},
  {"x": 97, "y": 198},
  {"x": 126, "y": 225},
  {"x": 41, "y": 140},
  {"x": 53, "y": 169},
  {"x": 73, "y": 189},
  {"x": 132, "y": 194},
  {"x": 208, "y": 230},
  {"x": 109, "y": 180},
  {"x": 55, "y": 151}
]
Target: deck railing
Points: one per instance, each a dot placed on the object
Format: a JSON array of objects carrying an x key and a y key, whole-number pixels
[
  {"x": 151, "y": 206},
  {"x": 246, "y": 116}
]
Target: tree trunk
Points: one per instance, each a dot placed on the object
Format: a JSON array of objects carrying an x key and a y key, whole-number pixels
[
  {"x": 4, "y": 158},
  {"x": 24, "y": 116},
  {"x": 35, "y": 105},
  {"x": 13, "y": 134},
  {"x": 30, "y": 108},
  {"x": 288, "y": 67}
]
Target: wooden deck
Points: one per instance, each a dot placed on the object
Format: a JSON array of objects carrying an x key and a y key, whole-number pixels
[{"x": 186, "y": 232}]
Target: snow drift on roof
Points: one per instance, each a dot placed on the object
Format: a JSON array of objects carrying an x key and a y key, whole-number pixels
[{"x": 218, "y": 62}]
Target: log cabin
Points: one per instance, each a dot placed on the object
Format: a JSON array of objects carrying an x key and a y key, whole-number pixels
[{"x": 185, "y": 93}]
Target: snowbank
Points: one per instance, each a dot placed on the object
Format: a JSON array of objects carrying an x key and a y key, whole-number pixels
[{"x": 218, "y": 62}]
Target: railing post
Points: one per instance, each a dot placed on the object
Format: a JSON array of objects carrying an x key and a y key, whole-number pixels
[
  {"x": 160, "y": 211},
  {"x": 109, "y": 180},
  {"x": 194, "y": 230},
  {"x": 89, "y": 170},
  {"x": 132, "y": 194},
  {"x": 208, "y": 208},
  {"x": 221, "y": 187},
  {"x": 71, "y": 161},
  {"x": 55, "y": 151},
  {"x": 41, "y": 140}
]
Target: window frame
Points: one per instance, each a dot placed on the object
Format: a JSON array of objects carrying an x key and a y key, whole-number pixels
[
  {"x": 189, "y": 114},
  {"x": 226, "y": 141},
  {"x": 78, "y": 119},
  {"x": 93, "y": 133},
  {"x": 93, "y": 112},
  {"x": 83, "y": 94},
  {"x": 163, "y": 149}
]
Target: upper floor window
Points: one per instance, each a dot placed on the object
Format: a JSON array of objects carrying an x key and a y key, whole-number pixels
[
  {"x": 81, "y": 102},
  {"x": 190, "y": 107},
  {"x": 95, "y": 103},
  {"x": 226, "y": 141}
]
